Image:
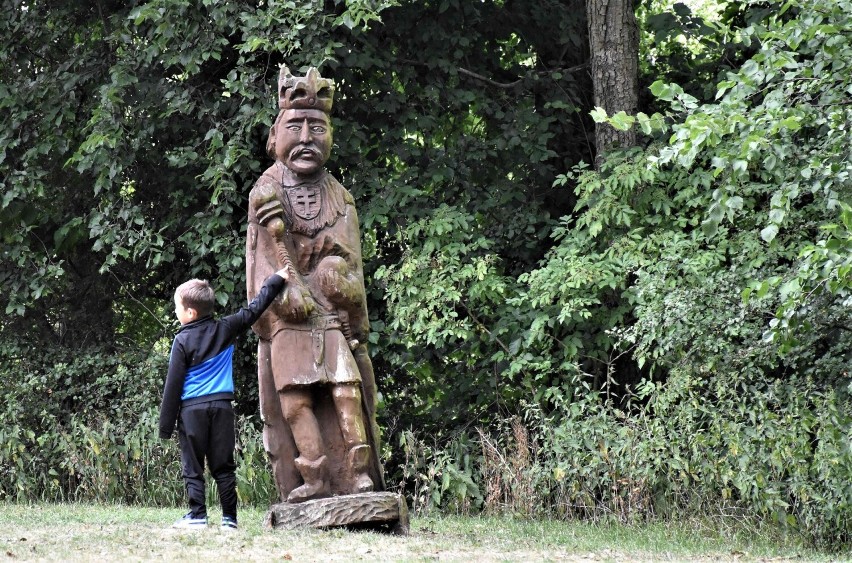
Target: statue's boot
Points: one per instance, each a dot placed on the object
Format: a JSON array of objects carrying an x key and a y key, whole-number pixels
[
  {"x": 315, "y": 480},
  {"x": 359, "y": 462}
]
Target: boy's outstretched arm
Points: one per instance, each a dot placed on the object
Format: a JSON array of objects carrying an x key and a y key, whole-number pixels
[{"x": 247, "y": 316}]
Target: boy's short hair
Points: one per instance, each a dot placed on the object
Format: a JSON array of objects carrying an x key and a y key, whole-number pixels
[{"x": 197, "y": 294}]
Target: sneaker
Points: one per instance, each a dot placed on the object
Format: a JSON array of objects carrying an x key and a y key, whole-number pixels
[
  {"x": 228, "y": 523},
  {"x": 189, "y": 522}
]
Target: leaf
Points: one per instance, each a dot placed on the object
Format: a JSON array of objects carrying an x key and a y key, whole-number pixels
[
  {"x": 769, "y": 233},
  {"x": 709, "y": 228},
  {"x": 644, "y": 123},
  {"x": 792, "y": 123},
  {"x": 662, "y": 90},
  {"x": 622, "y": 121},
  {"x": 790, "y": 287},
  {"x": 598, "y": 115},
  {"x": 776, "y": 215}
]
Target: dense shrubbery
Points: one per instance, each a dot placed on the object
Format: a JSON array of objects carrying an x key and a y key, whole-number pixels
[
  {"x": 85, "y": 429},
  {"x": 716, "y": 446}
]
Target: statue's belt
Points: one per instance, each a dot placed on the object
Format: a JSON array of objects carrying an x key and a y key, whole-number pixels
[{"x": 314, "y": 322}]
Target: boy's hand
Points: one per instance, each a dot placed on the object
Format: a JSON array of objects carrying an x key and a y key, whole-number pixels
[{"x": 284, "y": 273}]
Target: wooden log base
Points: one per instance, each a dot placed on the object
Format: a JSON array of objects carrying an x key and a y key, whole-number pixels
[{"x": 387, "y": 512}]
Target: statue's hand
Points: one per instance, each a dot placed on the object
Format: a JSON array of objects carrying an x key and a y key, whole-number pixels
[
  {"x": 336, "y": 281},
  {"x": 297, "y": 304}
]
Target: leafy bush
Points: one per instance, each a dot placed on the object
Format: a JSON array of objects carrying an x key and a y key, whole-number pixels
[
  {"x": 716, "y": 445},
  {"x": 439, "y": 476},
  {"x": 255, "y": 484},
  {"x": 97, "y": 438}
]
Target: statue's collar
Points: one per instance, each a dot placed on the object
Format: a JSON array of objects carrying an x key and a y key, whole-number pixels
[{"x": 289, "y": 179}]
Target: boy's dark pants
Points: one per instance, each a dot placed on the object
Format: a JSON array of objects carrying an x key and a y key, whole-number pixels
[{"x": 206, "y": 430}]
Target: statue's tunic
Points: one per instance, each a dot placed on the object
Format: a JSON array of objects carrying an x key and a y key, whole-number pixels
[{"x": 321, "y": 222}]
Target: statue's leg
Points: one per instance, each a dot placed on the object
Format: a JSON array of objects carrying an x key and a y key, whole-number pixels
[
  {"x": 276, "y": 436},
  {"x": 347, "y": 401},
  {"x": 298, "y": 408}
]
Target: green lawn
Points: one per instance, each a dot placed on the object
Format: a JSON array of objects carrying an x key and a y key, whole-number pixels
[{"x": 78, "y": 532}]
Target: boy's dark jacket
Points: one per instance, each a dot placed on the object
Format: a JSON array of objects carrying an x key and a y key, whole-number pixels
[{"x": 200, "y": 365}]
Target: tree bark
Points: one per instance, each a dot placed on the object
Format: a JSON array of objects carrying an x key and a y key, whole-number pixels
[{"x": 614, "y": 46}]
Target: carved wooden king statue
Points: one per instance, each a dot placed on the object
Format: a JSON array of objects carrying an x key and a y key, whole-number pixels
[{"x": 317, "y": 387}]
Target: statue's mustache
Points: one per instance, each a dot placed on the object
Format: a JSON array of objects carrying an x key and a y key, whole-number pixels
[{"x": 298, "y": 151}]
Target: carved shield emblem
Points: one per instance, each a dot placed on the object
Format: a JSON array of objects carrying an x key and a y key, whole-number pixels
[{"x": 306, "y": 201}]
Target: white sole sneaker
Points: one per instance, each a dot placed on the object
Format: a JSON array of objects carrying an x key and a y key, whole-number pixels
[{"x": 190, "y": 523}]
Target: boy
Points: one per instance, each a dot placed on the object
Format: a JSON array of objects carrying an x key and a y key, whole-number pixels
[{"x": 199, "y": 389}]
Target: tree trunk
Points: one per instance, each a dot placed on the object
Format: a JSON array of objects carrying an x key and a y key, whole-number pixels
[{"x": 614, "y": 46}]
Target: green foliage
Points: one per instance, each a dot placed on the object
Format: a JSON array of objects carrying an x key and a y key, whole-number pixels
[
  {"x": 84, "y": 429},
  {"x": 715, "y": 259},
  {"x": 255, "y": 485},
  {"x": 440, "y": 476},
  {"x": 778, "y": 133},
  {"x": 777, "y": 451},
  {"x": 87, "y": 430},
  {"x": 452, "y": 157},
  {"x": 130, "y": 137},
  {"x": 769, "y": 195},
  {"x": 155, "y": 117},
  {"x": 716, "y": 445},
  {"x": 691, "y": 46}
]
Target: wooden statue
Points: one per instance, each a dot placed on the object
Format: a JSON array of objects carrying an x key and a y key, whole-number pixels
[{"x": 317, "y": 387}]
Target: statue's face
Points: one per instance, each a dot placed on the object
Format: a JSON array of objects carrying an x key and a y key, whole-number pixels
[{"x": 303, "y": 140}]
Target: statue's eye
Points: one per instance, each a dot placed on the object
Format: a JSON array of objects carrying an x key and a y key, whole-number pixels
[{"x": 318, "y": 129}]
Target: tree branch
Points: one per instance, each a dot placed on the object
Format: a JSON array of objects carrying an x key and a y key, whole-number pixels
[
  {"x": 496, "y": 84},
  {"x": 488, "y": 80},
  {"x": 519, "y": 80},
  {"x": 483, "y": 327}
]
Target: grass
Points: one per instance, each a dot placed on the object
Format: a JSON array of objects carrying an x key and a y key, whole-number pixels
[{"x": 85, "y": 532}]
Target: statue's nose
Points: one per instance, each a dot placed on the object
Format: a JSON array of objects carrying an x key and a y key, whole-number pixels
[{"x": 306, "y": 132}]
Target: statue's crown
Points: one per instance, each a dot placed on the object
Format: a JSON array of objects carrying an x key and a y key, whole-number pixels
[{"x": 311, "y": 91}]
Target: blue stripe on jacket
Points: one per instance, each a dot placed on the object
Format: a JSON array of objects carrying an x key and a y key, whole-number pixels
[{"x": 215, "y": 375}]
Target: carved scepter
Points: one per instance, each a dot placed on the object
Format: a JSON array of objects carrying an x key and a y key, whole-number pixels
[
  {"x": 275, "y": 227},
  {"x": 301, "y": 299},
  {"x": 270, "y": 214}
]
